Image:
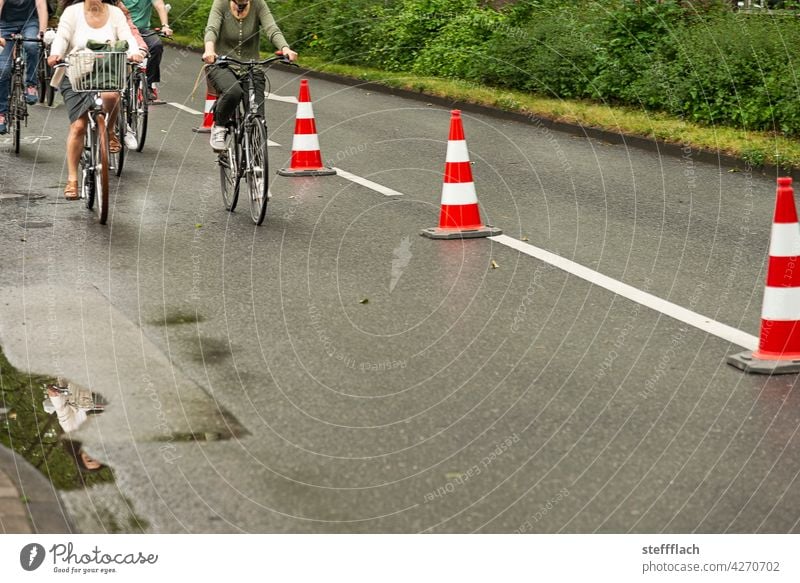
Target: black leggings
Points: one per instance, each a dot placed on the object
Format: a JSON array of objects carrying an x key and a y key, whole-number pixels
[{"x": 230, "y": 91}]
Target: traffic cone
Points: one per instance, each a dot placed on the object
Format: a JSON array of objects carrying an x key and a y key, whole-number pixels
[
  {"x": 306, "y": 155},
  {"x": 208, "y": 115},
  {"x": 460, "y": 217},
  {"x": 779, "y": 343}
]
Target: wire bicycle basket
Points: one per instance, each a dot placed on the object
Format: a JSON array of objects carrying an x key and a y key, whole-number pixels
[{"x": 97, "y": 70}]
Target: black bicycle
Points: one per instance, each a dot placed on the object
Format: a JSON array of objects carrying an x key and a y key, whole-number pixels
[
  {"x": 47, "y": 92},
  {"x": 17, "y": 106},
  {"x": 246, "y": 156}
]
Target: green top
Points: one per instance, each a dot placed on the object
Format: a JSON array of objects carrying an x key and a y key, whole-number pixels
[
  {"x": 239, "y": 39},
  {"x": 141, "y": 12}
]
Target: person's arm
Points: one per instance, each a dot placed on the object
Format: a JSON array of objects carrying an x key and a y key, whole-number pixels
[
  {"x": 70, "y": 418},
  {"x": 272, "y": 31},
  {"x": 123, "y": 32},
  {"x": 213, "y": 30},
  {"x": 64, "y": 32},
  {"x": 134, "y": 31},
  {"x": 161, "y": 10},
  {"x": 41, "y": 12}
]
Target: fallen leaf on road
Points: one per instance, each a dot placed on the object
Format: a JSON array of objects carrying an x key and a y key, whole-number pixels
[
  {"x": 494, "y": 264},
  {"x": 364, "y": 301},
  {"x": 198, "y": 225},
  {"x": 524, "y": 238}
]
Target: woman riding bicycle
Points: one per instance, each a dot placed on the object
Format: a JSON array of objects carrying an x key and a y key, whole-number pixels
[
  {"x": 81, "y": 22},
  {"x": 233, "y": 30}
]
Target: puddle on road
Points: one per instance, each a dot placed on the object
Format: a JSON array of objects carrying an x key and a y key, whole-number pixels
[
  {"x": 37, "y": 414},
  {"x": 21, "y": 195},
  {"x": 176, "y": 317}
]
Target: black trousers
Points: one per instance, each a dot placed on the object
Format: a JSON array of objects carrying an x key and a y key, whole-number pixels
[
  {"x": 156, "y": 49},
  {"x": 230, "y": 90}
]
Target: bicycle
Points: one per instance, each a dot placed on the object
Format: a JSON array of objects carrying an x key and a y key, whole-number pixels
[
  {"x": 47, "y": 92},
  {"x": 246, "y": 155},
  {"x": 135, "y": 105},
  {"x": 17, "y": 106},
  {"x": 106, "y": 73}
]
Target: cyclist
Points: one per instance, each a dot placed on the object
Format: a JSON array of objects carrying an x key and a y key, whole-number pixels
[
  {"x": 141, "y": 14},
  {"x": 233, "y": 29},
  {"x": 79, "y": 23},
  {"x": 28, "y": 18}
]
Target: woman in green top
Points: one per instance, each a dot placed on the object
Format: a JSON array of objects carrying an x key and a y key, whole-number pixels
[{"x": 233, "y": 30}]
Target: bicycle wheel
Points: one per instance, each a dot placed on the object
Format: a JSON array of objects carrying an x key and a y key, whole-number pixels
[
  {"x": 43, "y": 77},
  {"x": 138, "y": 111},
  {"x": 118, "y": 159},
  {"x": 101, "y": 169},
  {"x": 86, "y": 169},
  {"x": 16, "y": 112},
  {"x": 229, "y": 173},
  {"x": 257, "y": 169},
  {"x": 51, "y": 95}
]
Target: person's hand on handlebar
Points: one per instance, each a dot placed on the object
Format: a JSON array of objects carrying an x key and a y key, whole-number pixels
[
  {"x": 136, "y": 57},
  {"x": 289, "y": 54},
  {"x": 209, "y": 57},
  {"x": 53, "y": 60},
  {"x": 2, "y": 42}
]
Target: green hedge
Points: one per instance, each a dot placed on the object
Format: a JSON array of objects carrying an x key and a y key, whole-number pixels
[{"x": 698, "y": 61}]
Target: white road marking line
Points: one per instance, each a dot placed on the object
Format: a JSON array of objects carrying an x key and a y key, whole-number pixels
[
  {"x": 186, "y": 109},
  {"x": 627, "y": 291},
  {"x": 272, "y": 144},
  {"x": 368, "y": 183},
  {"x": 274, "y": 97}
]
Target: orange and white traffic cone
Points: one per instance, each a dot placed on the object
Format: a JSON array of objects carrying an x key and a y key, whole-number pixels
[
  {"x": 460, "y": 217},
  {"x": 779, "y": 343},
  {"x": 306, "y": 155},
  {"x": 208, "y": 115}
]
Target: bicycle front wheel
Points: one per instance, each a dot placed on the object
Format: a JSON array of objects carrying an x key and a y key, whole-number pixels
[
  {"x": 17, "y": 112},
  {"x": 101, "y": 169},
  {"x": 257, "y": 169},
  {"x": 137, "y": 118},
  {"x": 43, "y": 77},
  {"x": 118, "y": 159},
  {"x": 229, "y": 174}
]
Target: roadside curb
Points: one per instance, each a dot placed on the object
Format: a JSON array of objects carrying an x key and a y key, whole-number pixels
[{"x": 41, "y": 512}]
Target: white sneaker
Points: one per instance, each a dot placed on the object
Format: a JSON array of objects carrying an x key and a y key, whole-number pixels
[
  {"x": 130, "y": 139},
  {"x": 218, "y": 135}
]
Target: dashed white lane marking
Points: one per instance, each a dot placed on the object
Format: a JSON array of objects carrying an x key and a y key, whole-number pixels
[
  {"x": 283, "y": 98},
  {"x": 272, "y": 144},
  {"x": 184, "y": 108},
  {"x": 367, "y": 183},
  {"x": 636, "y": 295}
]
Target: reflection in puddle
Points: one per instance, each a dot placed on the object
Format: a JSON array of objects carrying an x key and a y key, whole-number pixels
[{"x": 39, "y": 415}]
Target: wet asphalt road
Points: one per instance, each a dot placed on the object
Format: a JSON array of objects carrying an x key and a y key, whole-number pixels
[{"x": 343, "y": 393}]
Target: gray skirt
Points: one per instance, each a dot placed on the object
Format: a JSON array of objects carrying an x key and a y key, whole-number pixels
[{"x": 77, "y": 102}]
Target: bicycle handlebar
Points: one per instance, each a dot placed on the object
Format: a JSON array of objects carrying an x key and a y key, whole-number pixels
[
  {"x": 19, "y": 37},
  {"x": 223, "y": 60}
]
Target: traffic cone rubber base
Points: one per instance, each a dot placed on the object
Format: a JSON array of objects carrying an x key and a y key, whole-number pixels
[
  {"x": 747, "y": 362},
  {"x": 324, "y": 171},
  {"x": 439, "y": 233}
]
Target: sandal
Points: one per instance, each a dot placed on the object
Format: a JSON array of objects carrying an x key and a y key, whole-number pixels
[
  {"x": 71, "y": 190},
  {"x": 113, "y": 145}
]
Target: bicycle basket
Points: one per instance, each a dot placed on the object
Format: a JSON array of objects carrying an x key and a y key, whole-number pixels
[{"x": 97, "y": 70}]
